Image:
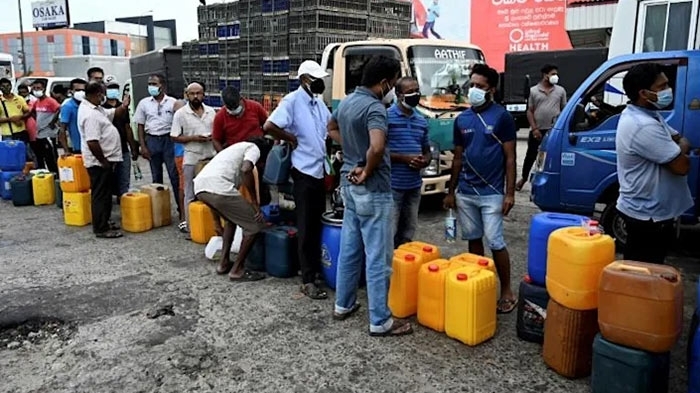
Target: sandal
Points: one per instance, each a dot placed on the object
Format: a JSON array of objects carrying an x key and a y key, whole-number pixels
[
  {"x": 248, "y": 276},
  {"x": 343, "y": 316},
  {"x": 227, "y": 268},
  {"x": 313, "y": 292},
  {"x": 113, "y": 225},
  {"x": 109, "y": 235},
  {"x": 183, "y": 227},
  {"x": 506, "y": 306},
  {"x": 398, "y": 328}
]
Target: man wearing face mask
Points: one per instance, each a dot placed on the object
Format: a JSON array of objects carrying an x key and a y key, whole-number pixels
[
  {"x": 410, "y": 152},
  {"x": 192, "y": 126},
  {"x": 652, "y": 166},
  {"x": 239, "y": 120},
  {"x": 360, "y": 126},
  {"x": 122, "y": 170},
  {"x": 69, "y": 118},
  {"x": 547, "y": 99},
  {"x": 14, "y": 112},
  {"x": 102, "y": 149},
  {"x": 46, "y": 110},
  {"x": 482, "y": 185},
  {"x": 301, "y": 120}
]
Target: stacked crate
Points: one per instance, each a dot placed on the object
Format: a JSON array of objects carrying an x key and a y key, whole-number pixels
[
  {"x": 387, "y": 19},
  {"x": 275, "y": 62}
]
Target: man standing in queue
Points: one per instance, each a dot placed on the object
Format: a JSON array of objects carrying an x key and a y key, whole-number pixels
[
  {"x": 410, "y": 152},
  {"x": 102, "y": 150},
  {"x": 547, "y": 99},
  {"x": 69, "y": 118},
  {"x": 482, "y": 185},
  {"x": 359, "y": 125},
  {"x": 130, "y": 150},
  {"x": 304, "y": 116},
  {"x": 652, "y": 166}
]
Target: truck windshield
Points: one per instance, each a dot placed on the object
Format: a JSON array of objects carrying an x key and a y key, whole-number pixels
[{"x": 441, "y": 72}]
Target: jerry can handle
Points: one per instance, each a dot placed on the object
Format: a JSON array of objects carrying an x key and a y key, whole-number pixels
[{"x": 623, "y": 267}]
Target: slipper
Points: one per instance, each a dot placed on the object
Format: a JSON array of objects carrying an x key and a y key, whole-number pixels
[
  {"x": 343, "y": 316},
  {"x": 506, "y": 306},
  {"x": 113, "y": 225},
  {"x": 248, "y": 276},
  {"x": 109, "y": 235},
  {"x": 313, "y": 292},
  {"x": 398, "y": 328},
  {"x": 183, "y": 227}
]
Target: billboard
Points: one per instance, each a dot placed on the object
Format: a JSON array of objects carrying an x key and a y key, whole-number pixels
[
  {"x": 497, "y": 26},
  {"x": 48, "y": 14}
]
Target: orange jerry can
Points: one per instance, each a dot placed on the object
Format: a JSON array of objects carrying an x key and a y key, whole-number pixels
[
  {"x": 403, "y": 288},
  {"x": 201, "y": 222},
  {"x": 136, "y": 212},
  {"x": 427, "y": 251},
  {"x": 73, "y": 175},
  {"x": 431, "y": 293},
  {"x": 641, "y": 305},
  {"x": 470, "y": 305},
  {"x": 568, "y": 340},
  {"x": 479, "y": 261}
]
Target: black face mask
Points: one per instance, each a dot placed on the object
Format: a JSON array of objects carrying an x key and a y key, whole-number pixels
[
  {"x": 412, "y": 100},
  {"x": 317, "y": 86}
]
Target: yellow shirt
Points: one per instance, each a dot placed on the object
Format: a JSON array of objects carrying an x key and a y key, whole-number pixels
[{"x": 9, "y": 107}]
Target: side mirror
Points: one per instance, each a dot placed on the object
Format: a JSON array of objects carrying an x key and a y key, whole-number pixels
[{"x": 526, "y": 87}]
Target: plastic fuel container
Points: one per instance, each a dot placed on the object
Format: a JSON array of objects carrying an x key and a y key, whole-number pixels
[{"x": 470, "y": 305}]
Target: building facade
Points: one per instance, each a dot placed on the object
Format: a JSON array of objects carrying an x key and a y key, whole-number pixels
[
  {"x": 146, "y": 34},
  {"x": 589, "y": 22}
]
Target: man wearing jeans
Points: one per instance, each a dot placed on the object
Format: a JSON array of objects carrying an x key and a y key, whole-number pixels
[
  {"x": 154, "y": 116},
  {"x": 192, "y": 126},
  {"x": 408, "y": 142},
  {"x": 360, "y": 126},
  {"x": 483, "y": 166}
]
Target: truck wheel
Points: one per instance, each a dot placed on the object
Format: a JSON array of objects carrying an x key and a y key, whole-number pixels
[{"x": 614, "y": 225}]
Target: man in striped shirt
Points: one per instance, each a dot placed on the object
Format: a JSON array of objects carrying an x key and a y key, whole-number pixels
[{"x": 409, "y": 148}]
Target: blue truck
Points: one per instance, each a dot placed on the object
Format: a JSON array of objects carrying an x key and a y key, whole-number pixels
[{"x": 576, "y": 168}]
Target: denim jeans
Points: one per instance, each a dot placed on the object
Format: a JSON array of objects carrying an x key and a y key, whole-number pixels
[
  {"x": 367, "y": 221},
  {"x": 482, "y": 215},
  {"x": 122, "y": 174},
  {"x": 406, "y": 205},
  {"x": 163, "y": 152}
]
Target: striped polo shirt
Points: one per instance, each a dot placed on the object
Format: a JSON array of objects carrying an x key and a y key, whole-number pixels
[{"x": 406, "y": 135}]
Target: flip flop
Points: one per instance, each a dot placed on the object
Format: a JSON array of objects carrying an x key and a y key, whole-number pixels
[
  {"x": 248, "y": 276},
  {"x": 183, "y": 227},
  {"x": 113, "y": 225},
  {"x": 398, "y": 328},
  {"x": 506, "y": 306},
  {"x": 109, "y": 235},
  {"x": 343, "y": 316}
]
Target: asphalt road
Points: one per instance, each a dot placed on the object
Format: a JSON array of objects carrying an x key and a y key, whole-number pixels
[{"x": 247, "y": 337}]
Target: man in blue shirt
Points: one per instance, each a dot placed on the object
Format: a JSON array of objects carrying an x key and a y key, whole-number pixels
[
  {"x": 432, "y": 14},
  {"x": 360, "y": 126},
  {"x": 483, "y": 175},
  {"x": 304, "y": 116},
  {"x": 408, "y": 144},
  {"x": 652, "y": 164},
  {"x": 69, "y": 117}
]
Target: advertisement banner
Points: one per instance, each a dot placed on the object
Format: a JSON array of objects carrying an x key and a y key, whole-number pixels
[
  {"x": 501, "y": 26},
  {"x": 50, "y": 14},
  {"x": 497, "y": 26}
]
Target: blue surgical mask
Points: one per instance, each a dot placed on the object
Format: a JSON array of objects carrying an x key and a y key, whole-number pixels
[
  {"x": 153, "y": 91},
  {"x": 112, "y": 94},
  {"x": 664, "y": 98},
  {"x": 477, "y": 97}
]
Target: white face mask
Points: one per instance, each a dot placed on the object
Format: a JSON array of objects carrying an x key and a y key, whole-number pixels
[
  {"x": 79, "y": 95},
  {"x": 554, "y": 79},
  {"x": 477, "y": 97},
  {"x": 235, "y": 112},
  {"x": 389, "y": 97},
  {"x": 38, "y": 93}
]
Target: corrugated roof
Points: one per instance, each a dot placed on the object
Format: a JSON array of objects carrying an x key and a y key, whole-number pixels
[{"x": 589, "y": 2}]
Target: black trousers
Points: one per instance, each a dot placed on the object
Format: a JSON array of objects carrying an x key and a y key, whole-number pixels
[
  {"x": 45, "y": 157},
  {"x": 310, "y": 200},
  {"x": 101, "y": 183},
  {"x": 648, "y": 241},
  {"x": 533, "y": 146}
]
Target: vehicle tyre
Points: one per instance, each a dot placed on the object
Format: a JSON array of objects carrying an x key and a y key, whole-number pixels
[{"x": 614, "y": 225}]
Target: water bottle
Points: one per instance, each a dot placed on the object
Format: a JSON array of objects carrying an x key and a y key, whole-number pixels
[
  {"x": 450, "y": 227},
  {"x": 137, "y": 171}
]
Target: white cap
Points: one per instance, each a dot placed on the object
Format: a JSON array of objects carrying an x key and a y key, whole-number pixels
[
  {"x": 312, "y": 68},
  {"x": 111, "y": 80}
]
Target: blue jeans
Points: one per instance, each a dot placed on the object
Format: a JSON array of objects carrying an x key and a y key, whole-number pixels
[
  {"x": 122, "y": 174},
  {"x": 406, "y": 205},
  {"x": 366, "y": 221},
  {"x": 481, "y": 215},
  {"x": 163, "y": 152}
]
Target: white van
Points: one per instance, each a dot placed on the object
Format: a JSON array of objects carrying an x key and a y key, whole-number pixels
[{"x": 50, "y": 81}]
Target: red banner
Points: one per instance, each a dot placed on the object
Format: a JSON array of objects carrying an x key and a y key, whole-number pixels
[{"x": 501, "y": 26}]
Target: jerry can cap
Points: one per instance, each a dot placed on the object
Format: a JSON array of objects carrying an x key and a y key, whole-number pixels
[
  {"x": 462, "y": 277},
  {"x": 409, "y": 257},
  {"x": 291, "y": 232},
  {"x": 427, "y": 249},
  {"x": 433, "y": 267},
  {"x": 527, "y": 279},
  {"x": 593, "y": 222},
  {"x": 483, "y": 262}
]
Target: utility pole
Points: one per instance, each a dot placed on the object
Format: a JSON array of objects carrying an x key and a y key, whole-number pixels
[{"x": 21, "y": 38}]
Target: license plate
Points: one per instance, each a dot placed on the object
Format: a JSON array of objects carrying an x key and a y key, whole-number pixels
[{"x": 516, "y": 107}]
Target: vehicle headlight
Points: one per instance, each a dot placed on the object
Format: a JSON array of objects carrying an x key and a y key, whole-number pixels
[{"x": 433, "y": 168}]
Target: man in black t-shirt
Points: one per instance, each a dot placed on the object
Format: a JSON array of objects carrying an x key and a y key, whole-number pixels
[{"x": 130, "y": 149}]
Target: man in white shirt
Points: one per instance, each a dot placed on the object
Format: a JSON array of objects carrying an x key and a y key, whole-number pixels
[
  {"x": 301, "y": 120},
  {"x": 227, "y": 186},
  {"x": 192, "y": 126},
  {"x": 102, "y": 149},
  {"x": 154, "y": 117}
]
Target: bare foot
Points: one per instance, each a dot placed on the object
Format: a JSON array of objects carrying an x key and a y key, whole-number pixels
[{"x": 224, "y": 267}]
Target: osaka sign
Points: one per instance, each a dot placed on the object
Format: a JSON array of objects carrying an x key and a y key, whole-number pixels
[{"x": 50, "y": 13}]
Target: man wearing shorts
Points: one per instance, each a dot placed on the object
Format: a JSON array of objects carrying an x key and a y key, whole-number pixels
[
  {"x": 222, "y": 185},
  {"x": 482, "y": 169}
]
